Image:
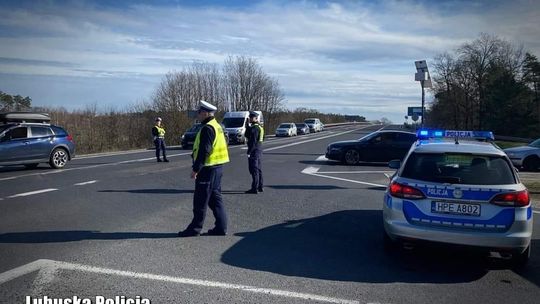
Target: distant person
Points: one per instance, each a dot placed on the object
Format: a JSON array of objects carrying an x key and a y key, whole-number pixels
[
  {"x": 209, "y": 154},
  {"x": 254, "y": 152},
  {"x": 158, "y": 132}
]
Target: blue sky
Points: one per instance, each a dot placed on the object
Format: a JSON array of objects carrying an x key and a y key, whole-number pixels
[{"x": 350, "y": 57}]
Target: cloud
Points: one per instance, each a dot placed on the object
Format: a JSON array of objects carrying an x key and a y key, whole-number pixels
[{"x": 335, "y": 55}]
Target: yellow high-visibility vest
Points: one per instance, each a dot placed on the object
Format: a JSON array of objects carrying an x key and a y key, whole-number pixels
[
  {"x": 219, "y": 154},
  {"x": 261, "y": 131},
  {"x": 161, "y": 131}
]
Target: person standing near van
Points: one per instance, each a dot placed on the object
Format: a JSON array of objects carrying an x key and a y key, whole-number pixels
[
  {"x": 255, "y": 135},
  {"x": 158, "y": 132},
  {"x": 210, "y": 152}
]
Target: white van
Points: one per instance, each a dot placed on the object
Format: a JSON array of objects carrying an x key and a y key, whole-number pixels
[
  {"x": 314, "y": 124},
  {"x": 236, "y": 123}
]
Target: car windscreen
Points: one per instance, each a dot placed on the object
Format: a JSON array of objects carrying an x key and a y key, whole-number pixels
[
  {"x": 300, "y": 125},
  {"x": 284, "y": 126},
  {"x": 233, "y": 122},
  {"x": 535, "y": 144},
  {"x": 457, "y": 168},
  {"x": 310, "y": 121}
]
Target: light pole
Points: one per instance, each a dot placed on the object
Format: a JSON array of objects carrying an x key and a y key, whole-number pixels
[{"x": 422, "y": 75}]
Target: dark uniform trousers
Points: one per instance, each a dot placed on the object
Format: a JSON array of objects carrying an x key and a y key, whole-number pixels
[
  {"x": 255, "y": 169},
  {"x": 208, "y": 194},
  {"x": 160, "y": 146}
]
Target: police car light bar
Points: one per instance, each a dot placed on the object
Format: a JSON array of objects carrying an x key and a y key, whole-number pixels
[{"x": 427, "y": 133}]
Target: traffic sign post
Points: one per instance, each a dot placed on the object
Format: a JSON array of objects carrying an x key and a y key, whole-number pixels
[{"x": 422, "y": 75}]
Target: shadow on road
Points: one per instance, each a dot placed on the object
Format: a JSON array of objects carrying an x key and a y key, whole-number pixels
[
  {"x": 340, "y": 164},
  {"x": 347, "y": 246},
  {"x": 150, "y": 191},
  {"x": 77, "y": 235},
  {"x": 290, "y": 153},
  {"x": 305, "y": 187}
]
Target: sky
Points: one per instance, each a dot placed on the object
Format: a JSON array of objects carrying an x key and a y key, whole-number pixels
[{"x": 348, "y": 57}]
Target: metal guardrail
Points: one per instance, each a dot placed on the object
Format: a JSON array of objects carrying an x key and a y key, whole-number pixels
[{"x": 347, "y": 124}]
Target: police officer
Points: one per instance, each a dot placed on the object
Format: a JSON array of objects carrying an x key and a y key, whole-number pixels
[
  {"x": 209, "y": 154},
  {"x": 158, "y": 131},
  {"x": 254, "y": 152}
]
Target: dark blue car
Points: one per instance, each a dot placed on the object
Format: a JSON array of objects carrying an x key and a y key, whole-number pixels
[{"x": 24, "y": 141}]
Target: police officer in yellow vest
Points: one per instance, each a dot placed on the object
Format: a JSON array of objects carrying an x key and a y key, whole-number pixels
[
  {"x": 158, "y": 132},
  {"x": 209, "y": 154},
  {"x": 255, "y": 135}
]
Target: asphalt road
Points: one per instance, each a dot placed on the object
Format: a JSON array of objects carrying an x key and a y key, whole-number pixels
[{"x": 107, "y": 225}]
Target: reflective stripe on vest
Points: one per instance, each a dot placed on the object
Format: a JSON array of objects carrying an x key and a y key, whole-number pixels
[
  {"x": 161, "y": 131},
  {"x": 261, "y": 132},
  {"x": 219, "y": 154}
]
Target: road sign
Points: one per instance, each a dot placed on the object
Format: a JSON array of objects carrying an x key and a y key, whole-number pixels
[{"x": 414, "y": 110}]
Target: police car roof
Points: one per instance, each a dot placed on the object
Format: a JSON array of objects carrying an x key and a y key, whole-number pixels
[{"x": 464, "y": 146}]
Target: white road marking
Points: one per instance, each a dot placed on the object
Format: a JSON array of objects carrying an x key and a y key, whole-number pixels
[
  {"x": 310, "y": 140},
  {"x": 355, "y": 172},
  {"x": 321, "y": 158},
  {"x": 40, "y": 264},
  {"x": 33, "y": 192},
  {"x": 347, "y": 180},
  {"x": 310, "y": 170},
  {"x": 44, "y": 277},
  {"x": 86, "y": 183},
  {"x": 22, "y": 270}
]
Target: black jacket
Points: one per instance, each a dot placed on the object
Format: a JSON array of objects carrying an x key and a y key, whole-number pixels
[
  {"x": 206, "y": 139},
  {"x": 254, "y": 145}
]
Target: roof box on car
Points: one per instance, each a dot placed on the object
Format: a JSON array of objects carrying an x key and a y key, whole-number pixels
[{"x": 24, "y": 117}]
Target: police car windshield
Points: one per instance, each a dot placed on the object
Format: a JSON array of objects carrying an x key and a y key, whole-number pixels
[
  {"x": 535, "y": 144},
  {"x": 284, "y": 126},
  {"x": 454, "y": 168},
  {"x": 233, "y": 122}
]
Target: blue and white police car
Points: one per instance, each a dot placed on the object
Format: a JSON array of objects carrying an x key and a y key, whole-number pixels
[{"x": 452, "y": 188}]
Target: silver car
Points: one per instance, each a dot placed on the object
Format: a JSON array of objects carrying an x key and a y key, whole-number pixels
[
  {"x": 459, "y": 192},
  {"x": 527, "y": 156}
]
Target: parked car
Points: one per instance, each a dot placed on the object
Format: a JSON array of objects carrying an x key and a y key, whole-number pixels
[
  {"x": 188, "y": 138},
  {"x": 459, "y": 192},
  {"x": 315, "y": 125},
  {"x": 527, "y": 157},
  {"x": 286, "y": 129},
  {"x": 380, "y": 146},
  {"x": 28, "y": 139},
  {"x": 302, "y": 128}
]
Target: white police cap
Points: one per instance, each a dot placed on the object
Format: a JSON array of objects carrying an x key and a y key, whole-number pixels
[
  {"x": 158, "y": 118},
  {"x": 208, "y": 107}
]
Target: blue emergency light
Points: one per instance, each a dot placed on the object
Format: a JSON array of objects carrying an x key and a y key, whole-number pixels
[{"x": 430, "y": 133}]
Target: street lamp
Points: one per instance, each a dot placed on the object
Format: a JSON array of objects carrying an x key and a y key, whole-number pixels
[{"x": 422, "y": 75}]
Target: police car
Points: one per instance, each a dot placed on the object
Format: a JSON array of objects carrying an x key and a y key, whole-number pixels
[{"x": 452, "y": 188}]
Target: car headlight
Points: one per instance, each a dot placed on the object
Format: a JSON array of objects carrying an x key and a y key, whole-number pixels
[{"x": 183, "y": 136}]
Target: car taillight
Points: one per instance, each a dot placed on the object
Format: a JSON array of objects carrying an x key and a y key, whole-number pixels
[
  {"x": 404, "y": 191},
  {"x": 69, "y": 137},
  {"x": 512, "y": 199}
]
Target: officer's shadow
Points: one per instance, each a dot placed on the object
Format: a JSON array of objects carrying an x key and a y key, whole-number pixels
[{"x": 348, "y": 246}]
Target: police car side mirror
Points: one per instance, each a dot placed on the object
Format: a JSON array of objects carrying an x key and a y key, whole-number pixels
[{"x": 394, "y": 164}]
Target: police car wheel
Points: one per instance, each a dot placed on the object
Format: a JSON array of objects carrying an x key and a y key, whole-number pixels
[
  {"x": 351, "y": 157},
  {"x": 520, "y": 260},
  {"x": 531, "y": 163}
]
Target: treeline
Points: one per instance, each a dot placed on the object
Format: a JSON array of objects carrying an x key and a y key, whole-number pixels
[
  {"x": 9, "y": 103},
  {"x": 487, "y": 84},
  {"x": 95, "y": 131}
]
